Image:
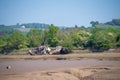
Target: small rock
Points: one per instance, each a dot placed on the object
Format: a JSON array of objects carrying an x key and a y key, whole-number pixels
[{"x": 8, "y": 67}]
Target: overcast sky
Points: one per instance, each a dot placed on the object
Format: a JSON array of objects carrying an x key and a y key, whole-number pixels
[{"x": 58, "y": 12}]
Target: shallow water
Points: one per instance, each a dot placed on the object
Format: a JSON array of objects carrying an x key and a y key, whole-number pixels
[{"x": 26, "y": 66}]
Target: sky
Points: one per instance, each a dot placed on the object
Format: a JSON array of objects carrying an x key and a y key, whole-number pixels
[{"x": 58, "y": 12}]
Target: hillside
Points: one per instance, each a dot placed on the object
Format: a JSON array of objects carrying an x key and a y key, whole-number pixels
[
  {"x": 106, "y": 26},
  {"x": 5, "y": 30}
]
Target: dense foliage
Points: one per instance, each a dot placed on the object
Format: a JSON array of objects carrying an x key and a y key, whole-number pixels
[
  {"x": 34, "y": 37},
  {"x": 99, "y": 37},
  {"x": 51, "y": 35}
]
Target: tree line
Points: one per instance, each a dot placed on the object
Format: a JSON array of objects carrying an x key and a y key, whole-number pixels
[{"x": 92, "y": 38}]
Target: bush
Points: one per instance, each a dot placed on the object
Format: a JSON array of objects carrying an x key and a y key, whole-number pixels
[
  {"x": 67, "y": 43},
  {"x": 14, "y": 41},
  {"x": 99, "y": 41}
]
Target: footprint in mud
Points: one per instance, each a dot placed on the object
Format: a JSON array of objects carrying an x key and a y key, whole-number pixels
[
  {"x": 48, "y": 73},
  {"x": 93, "y": 70},
  {"x": 107, "y": 68},
  {"x": 99, "y": 69}
]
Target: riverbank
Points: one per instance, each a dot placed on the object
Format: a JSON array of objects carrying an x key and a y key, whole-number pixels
[
  {"x": 84, "y": 69},
  {"x": 74, "y": 66},
  {"x": 110, "y": 56}
]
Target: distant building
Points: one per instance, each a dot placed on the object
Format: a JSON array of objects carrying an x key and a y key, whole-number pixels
[{"x": 23, "y": 27}]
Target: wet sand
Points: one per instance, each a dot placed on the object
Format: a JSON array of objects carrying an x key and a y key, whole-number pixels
[
  {"x": 84, "y": 69},
  {"x": 25, "y": 66}
]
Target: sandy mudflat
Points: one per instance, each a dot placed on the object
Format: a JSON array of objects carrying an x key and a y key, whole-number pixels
[{"x": 84, "y": 69}]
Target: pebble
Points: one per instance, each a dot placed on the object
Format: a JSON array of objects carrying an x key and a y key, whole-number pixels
[{"x": 8, "y": 67}]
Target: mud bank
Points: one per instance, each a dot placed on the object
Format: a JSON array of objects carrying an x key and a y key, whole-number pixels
[{"x": 84, "y": 69}]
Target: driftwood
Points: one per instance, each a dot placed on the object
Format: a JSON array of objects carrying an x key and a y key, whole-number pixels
[
  {"x": 60, "y": 50},
  {"x": 40, "y": 50},
  {"x": 43, "y": 50}
]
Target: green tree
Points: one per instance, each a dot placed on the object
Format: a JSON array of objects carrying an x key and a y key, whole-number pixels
[
  {"x": 34, "y": 36},
  {"x": 14, "y": 41},
  {"x": 99, "y": 41},
  {"x": 113, "y": 33},
  {"x": 1, "y": 44},
  {"x": 94, "y": 23},
  {"x": 66, "y": 42},
  {"x": 51, "y": 35},
  {"x": 17, "y": 40},
  {"x": 80, "y": 38}
]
